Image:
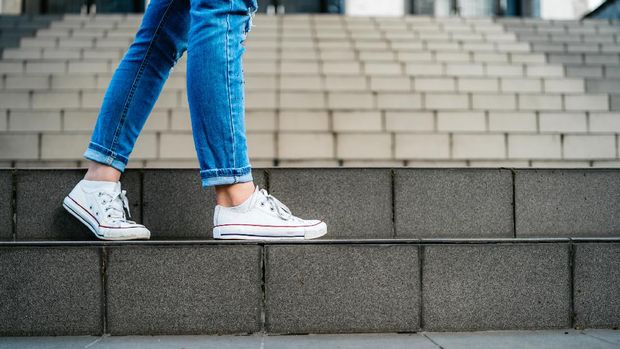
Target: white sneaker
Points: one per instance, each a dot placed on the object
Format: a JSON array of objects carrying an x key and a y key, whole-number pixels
[
  {"x": 263, "y": 217},
  {"x": 101, "y": 207}
]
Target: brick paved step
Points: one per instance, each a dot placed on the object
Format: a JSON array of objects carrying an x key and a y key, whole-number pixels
[
  {"x": 346, "y": 286},
  {"x": 356, "y": 203}
]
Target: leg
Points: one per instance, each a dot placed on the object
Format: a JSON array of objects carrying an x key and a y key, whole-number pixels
[
  {"x": 215, "y": 89},
  {"x": 136, "y": 85}
]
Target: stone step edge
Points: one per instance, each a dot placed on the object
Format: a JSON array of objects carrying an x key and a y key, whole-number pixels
[{"x": 470, "y": 241}]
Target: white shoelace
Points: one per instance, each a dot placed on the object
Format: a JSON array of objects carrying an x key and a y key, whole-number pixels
[
  {"x": 114, "y": 205},
  {"x": 281, "y": 209}
]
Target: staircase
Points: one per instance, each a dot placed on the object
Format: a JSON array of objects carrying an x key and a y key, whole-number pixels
[
  {"x": 407, "y": 250},
  {"x": 330, "y": 91}
]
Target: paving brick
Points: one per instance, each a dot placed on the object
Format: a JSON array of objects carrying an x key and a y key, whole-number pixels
[
  {"x": 521, "y": 85},
  {"x": 584, "y": 71},
  {"x": 567, "y": 203},
  {"x": 23, "y": 82},
  {"x": 447, "y": 101},
  {"x": 341, "y": 208},
  {"x": 364, "y": 146},
  {"x": 603, "y": 85},
  {"x": 494, "y": 101},
  {"x": 294, "y": 145},
  {"x": 344, "y": 100},
  {"x": 6, "y": 204},
  {"x": 261, "y": 145},
  {"x": 357, "y": 121},
  {"x": 559, "y": 164},
  {"x": 496, "y": 287},
  {"x": 461, "y": 121},
  {"x": 501, "y": 163},
  {"x": 399, "y": 101},
  {"x": 477, "y": 85},
  {"x": 532, "y": 146},
  {"x": 260, "y": 100},
  {"x": 19, "y": 146},
  {"x": 341, "y": 68},
  {"x": 22, "y": 120},
  {"x": 422, "y": 146},
  {"x": 512, "y": 121},
  {"x": 12, "y": 100},
  {"x": 564, "y": 85},
  {"x": 304, "y": 121},
  {"x": 424, "y": 69},
  {"x": 472, "y": 69},
  {"x": 346, "y": 83},
  {"x": 540, "y": 102},
  {"x": 453, "y": 203},
  {"x": 563, "y": 122},
  {"x": 398, "y": 121},
  {"x": 51, "y": 291},
  {"x": 190, "y": 212},
  {"x": 504, "y": 70},
  {"x": 615, "y": 102},
  {"x": 51, "y": 100},
  {"x": 383, "y": 68},
  {"x": 390, "y": 84},
  {"x": 39, "y": 211},
  {"x": 176, "y": 146},
  {"x": 588, "y": 147},
  {"x": 200, "y": 289},
  {"x": 605, "y": 122},
  {"x": 73, "y": 81},
  {"x": 434, "y": 84},
  {"x": 478, "y": 146},
  {"x": 545, "y": 71},
  {"x": 307, "y": 293},
  {"x": 597, "y": 284}
]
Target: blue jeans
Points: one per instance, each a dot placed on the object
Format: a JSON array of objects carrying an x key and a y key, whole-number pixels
[{"x": 213, "y": 34}]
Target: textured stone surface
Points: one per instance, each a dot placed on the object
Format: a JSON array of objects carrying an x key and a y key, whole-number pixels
[
  {"x": 455, "y": 203},
  {"x": 567, "y": 203},
  {"x": 50, "y": 291},
  {"x": 40, "y": 215},
  {"x": 496, "y": 287},
  {"x": 184, "y": 289},
  {"x": 597, "y": 285},
  {"x": 177, "y": 207},
  {"x": 342, "y": 288},
  {"x": 355, "y": 203},
  {"x": 6, "y": 206}
]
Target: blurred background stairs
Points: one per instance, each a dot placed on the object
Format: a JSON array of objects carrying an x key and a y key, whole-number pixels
[{"x": 330, "y": 90}]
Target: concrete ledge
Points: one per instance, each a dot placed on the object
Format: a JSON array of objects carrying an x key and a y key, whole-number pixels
[
  {"x": 214, "y": 287},
  {"x": 342, "y": 288},
  {"x": 184, "y": 290},
  {"x": 597, "y": 285},
  {"x": 569, "y": 203},
  {"x": 356, "y": 203},
  {"x": 495, "y": 287},
  {"x": 463, "y": 203},
  {"x": 50, "y": 291}
]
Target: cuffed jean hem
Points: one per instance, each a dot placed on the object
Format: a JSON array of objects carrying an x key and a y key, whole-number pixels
[
  {"x": 105, "y": 156},
  {"x": 226, "y": 176}
]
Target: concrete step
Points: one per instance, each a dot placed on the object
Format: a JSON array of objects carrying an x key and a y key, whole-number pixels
[
  {"x": 356, "y": 203},
  {"x": 347, "y": 286}
]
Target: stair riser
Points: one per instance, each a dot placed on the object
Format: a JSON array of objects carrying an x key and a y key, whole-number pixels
[
  {"x": 208, "y": 288},
  {"x": 355, "y": 202}
]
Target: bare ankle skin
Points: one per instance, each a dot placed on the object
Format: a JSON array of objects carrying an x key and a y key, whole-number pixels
[
  {"x": 233, "y": 194},
  {"x": 101, "y": 172}
]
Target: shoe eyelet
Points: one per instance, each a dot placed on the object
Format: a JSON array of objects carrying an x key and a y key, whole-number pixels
[
  {"x": 272, "y": 209},
  {"x": 262, "y": 204}
]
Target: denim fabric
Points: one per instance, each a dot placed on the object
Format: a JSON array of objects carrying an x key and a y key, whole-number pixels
[{"x": 213, "y": 34}]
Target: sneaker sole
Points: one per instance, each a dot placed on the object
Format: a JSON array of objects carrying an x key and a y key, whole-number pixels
[
  {"x": 76, "y": 211},
  {"x": 244, "y": 232}
]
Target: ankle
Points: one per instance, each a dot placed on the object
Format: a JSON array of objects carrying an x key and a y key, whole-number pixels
[
  {"x": 101, "y": 172},
  {"x": 233, "y": 194}
]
